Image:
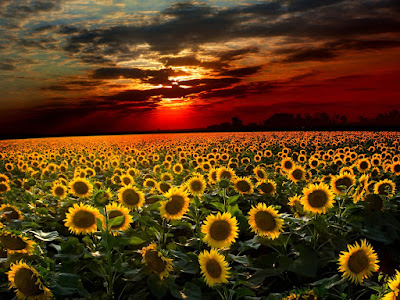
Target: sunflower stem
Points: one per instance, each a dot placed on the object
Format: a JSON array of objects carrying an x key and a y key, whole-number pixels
[{"x": 110, "y": 281}]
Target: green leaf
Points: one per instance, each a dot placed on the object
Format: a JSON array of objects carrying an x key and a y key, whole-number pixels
[
  {"x": 243, "y": 291},
  {"x": 117, "y": 221},
  {"x": 218, "y": 205},
  {"x": 241, "y": 259},
  {"x": 134, "y": 240},
  {"x": 157, "y": 287},
  {"x": 68, "y": 280}
]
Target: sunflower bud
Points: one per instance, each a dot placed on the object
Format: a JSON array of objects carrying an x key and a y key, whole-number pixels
[
  {"x": 31, "y": 182},
  {"x": 223, "y": 183}
]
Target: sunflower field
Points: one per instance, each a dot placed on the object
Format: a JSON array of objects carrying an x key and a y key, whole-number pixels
[{"x": 273, "y": 215}]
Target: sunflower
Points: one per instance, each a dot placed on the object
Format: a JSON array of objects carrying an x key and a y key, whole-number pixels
[
  {"x": 196, "y": 185},
  {"x": 212, "y": 175},
  {"x": 127, "y": 179},
  {"x": 313, "y": 163},
  {"x": 267, "y": 186},
  {"x": 177, "y": 169},
  {"x": 358, "y": 262},
  {"x": 155, "y": 261},
  {"x": 363, "y": 165},
  {"x": 341, "y": 183},
  {"x": 81, "y": 187},
  {"x": 260, "y": 173},
  {"x": 395, "y": 168},
  {"x": 58, "y": 190},
  {"x": 214, "y": 267},
  {"x": 297, "y": 173},
  {"x": 115, "y": 210},
  {"x": 102, "y": 197},
  {"x": 166, "y": 176},
  {"x": 287, "y": 164},
  {"x": 302, "y": 296},
  {"x": 149, "y": 183},
  {"x": 164, "y": 187},
  {"x": 16, "y": 243},
  {"x": 82, "y": 218},
  {"x": 374, "y": 202},
  {"x": 385, "y": 187},
  {"x": 4, "y": 187},
  {"x": 10, "y": 212},
  {"x": 220, "y": 230},
  {"x": 26, "y": 281},
  {"x": 225, "y": 173},
  {"x": 131, "y": 197},
  {"x": 4, "y": 178},
  {"x": 393, "y": 284},
  {"x": 243, "y": 185},
  {"x": 265, "y": 221},
  {"x": 176, "y": 205},
  {"x": 317, "y": 198}
]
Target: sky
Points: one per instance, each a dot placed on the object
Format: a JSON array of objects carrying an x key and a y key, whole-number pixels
[{"x": 104, "y": 66}]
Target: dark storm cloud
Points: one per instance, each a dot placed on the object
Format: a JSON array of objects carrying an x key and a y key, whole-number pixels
[
  {"x": 188, "y": 60},
  {"x": 7, "y": 66},
  {"x": 150, "y": 76},
  {"x": 331, "y": 50},
  {"x": 221, "y": 59},
  {"x": 316, "y": 54},
  {"x": 190, "y": 25},
  {"x": 241, "y": 72},
  {"x": 196, "y": 86},
  {"x": 25, "y": 8}
]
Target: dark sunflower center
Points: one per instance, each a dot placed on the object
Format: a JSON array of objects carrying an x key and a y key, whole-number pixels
[
  {"x": 175, "y": 205},
  {"x": 150, "y": 183},
  {"x": 126, "y": 180},
  {"x": 267, "y": 187},
  {"x": 117, "y": 179},
  {"x": 166, "y": 178},
  {"x": 265, "y": 221},
  {"x": 363, "y": 165},
  {"x": 317, "y": 199},
  {"x": 288, "y": 165},
  {"x": 220, "y": 230},
  {"x": 154, "y": 262},
  {"x": 81, "y": 188},
  {"x": 10, "y": 213},
  {"x": 196, "y": 185},
  {"x": 3, "y": 187},
  {"x": 25, "y": 281},
  {"x": 226, "y": 175},
  {"x": 164, "y": 187},
  {"x": 59, "y": 191},
  {"x": 213, "y": 268},
  {"x": 358, "y": 262},
  {"x": 314, "y": 163},
  {"x": 12, "y": 242},
  {"x": 243, "y": 186},
  {"x": 260, "y": 174},
  {"x": 397, "y": 168},
  {"x": 297, "y": 174},
  {"x": 382, "y": 189},
  {"x": 343, "y": 181},
  {"x": 177, "y": 168},
  {"x": 84, "y": 219},
  {"x": 113, "y": 214},
  {"x": 375, "y": 202},
  {"x": 130, "y": 197}
]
